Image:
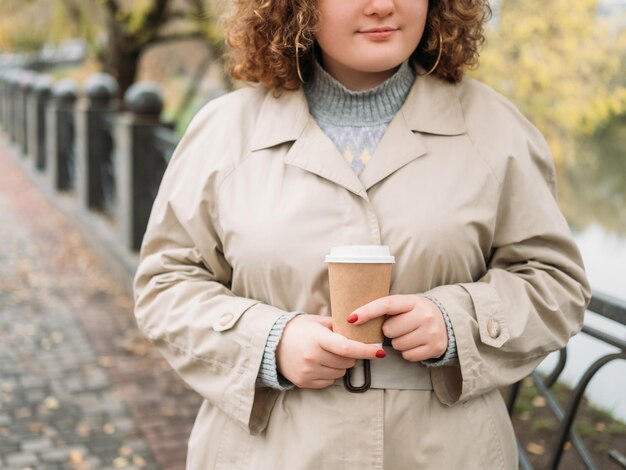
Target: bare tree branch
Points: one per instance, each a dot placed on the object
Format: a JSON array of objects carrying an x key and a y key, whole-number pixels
[
  {"x": 197, "y": 11},
  {"x": 155, "y": 18},
  {"x": 177, "y": 37},
  {"x": 112, "y": 6},
  {"x": 178, "y": 15}
]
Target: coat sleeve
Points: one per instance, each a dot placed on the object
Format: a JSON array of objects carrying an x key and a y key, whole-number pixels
[
  {"x": 212, "y": 338},
  {"x": 532, "y": 297}
]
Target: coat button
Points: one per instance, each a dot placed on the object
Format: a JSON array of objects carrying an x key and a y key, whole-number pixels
[
  {"x": 226, "y": 318},
  {"x": 493, "y": 328}
]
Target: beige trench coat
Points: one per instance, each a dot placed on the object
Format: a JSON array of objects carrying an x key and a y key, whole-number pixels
[{"x": 461, "y": 188}]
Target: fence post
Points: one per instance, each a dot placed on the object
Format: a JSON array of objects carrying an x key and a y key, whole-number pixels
[
  {"x": 26, "y": 82},
  {"x": 6, "y": 94},
  {"x": 60, "y": 127},
  {"x": 135, "y": 156},
  {"x": 42, "y": 88},
  {"x": 13, "y": 109},
  {"x": 31, "y": 119},
  {"x": 3, "y": 94},
  {"x": 94, "y": 144}
]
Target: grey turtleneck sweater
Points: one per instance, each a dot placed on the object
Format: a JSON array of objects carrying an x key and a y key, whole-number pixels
[{"x": 355, "y": 121}]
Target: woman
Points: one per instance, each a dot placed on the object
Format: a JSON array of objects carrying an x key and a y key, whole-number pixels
[{"x": 361, "y": 130}]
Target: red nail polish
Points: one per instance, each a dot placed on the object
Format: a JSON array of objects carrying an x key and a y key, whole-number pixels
[
  {"x": 381, "y": 353},
  {"x": 352, "y": 318}
]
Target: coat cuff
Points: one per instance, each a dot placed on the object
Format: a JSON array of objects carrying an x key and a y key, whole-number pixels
[
  {"x": 450, "y": 356},
  {"x": 224, "y": 367},
  {"x": 268, "y": 373}
]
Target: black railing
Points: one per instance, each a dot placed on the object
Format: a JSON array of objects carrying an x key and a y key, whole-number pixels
[
  {"x": 607, "y": 307},
  {"x": 107, "y": 163},
  {"x": 164, "y": 141},
  {"x": 113, "y": 160}
]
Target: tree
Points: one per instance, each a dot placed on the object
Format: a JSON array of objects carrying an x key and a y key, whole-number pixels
[
  {"x": 121, "y": 32},
  {"x": 22, "y": 26},
  {"x": 118, "y": 32},
  {"x": 560, "y": 63}
]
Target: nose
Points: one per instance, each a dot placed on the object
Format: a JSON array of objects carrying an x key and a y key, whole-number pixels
[{"x": 379, "y": 7}]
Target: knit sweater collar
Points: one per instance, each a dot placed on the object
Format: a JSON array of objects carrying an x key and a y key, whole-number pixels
[{"x": 331, "y": 102}]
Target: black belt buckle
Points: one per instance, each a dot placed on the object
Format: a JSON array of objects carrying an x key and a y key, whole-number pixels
[{"x": 367, "y": 383}]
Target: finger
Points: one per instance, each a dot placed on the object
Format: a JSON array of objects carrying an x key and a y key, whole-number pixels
[
  {"x": 420, "y": 353},
  {"x": 337, "y": 362},
  {"x": 411, "y": 340},
  {"x": 399, "y": 325},
  {"x": 329, "y": 373},
  {"x": 344, "y": 347},
  {"x": 327, "y": 322},
  {"x": 389, "y": 305},
  {"x": 321, "y": 383}
]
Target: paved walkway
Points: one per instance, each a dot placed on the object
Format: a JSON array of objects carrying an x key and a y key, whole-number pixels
[{"x": 80, "y": 388}]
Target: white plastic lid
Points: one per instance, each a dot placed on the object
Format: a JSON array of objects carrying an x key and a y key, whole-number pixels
[{"x": 360, "y": 254}]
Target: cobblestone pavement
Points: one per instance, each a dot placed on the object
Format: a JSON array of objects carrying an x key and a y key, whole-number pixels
[{"x": 80, "y": 388}]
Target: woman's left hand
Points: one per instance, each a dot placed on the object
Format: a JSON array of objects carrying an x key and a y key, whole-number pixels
[{"x": 415, "y": 325}]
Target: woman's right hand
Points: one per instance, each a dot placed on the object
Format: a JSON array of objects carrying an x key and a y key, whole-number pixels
[{"x": 311, "y": 355}]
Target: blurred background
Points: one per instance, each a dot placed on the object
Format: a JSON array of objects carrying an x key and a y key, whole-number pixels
[{"x": 94, "y": 95}]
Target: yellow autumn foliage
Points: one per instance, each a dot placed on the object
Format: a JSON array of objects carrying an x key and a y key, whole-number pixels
[{"x": 560, "y": 63}]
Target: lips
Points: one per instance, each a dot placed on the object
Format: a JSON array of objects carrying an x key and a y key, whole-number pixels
[
  {"x": 379, "y": 33},
  {"x": 380, "y": 29}
]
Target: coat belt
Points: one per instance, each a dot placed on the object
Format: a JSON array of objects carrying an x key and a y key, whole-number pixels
[{"x": 393, "y": 372}]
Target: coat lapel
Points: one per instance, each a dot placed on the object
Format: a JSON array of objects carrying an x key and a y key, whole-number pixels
[
  {"x": 286, "y": 119},
  {"x": 399, "y": 146},
  {"x": 432, "y": 107},
  {"x": 316, "y": 153}
]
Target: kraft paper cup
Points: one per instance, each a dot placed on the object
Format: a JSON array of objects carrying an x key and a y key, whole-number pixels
[{"x": 358, "y": 274}]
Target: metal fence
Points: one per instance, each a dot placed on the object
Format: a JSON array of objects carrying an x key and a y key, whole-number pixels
[
  {"x": 607, "y": 307},
  {"x": 112, "y": 157}
]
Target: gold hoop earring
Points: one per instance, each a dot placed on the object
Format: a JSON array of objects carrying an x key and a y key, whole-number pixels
[
  {"x": 432, "y": 69},
  {"x": 298, "y": 45}
]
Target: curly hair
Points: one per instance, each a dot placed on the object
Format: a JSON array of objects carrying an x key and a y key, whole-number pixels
[{"x": 272, "y": 42}]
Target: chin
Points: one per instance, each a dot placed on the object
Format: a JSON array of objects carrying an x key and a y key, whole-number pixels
[
  {"x": 380, "y": 66},
  {"x": 382, "y": 63}
]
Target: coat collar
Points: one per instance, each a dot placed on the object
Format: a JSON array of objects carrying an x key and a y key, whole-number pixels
[{"x": 432, "y": 107}]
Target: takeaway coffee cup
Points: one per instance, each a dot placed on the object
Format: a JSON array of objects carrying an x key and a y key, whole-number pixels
[{"x": 358, "y": 274}]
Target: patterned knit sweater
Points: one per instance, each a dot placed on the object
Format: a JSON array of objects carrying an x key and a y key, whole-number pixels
[{"x": 356, "y": 120}]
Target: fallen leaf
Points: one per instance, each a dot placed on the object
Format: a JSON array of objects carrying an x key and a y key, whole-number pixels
[
  {"x": 168, "y": 411},
  {"x": 106, "y": 361},
  {"x": 22, "y": 413},
  {"x": 108, "y": 428},
  {"x": 539, "y": 402},
  {"x": 535, "y": 449},
  {"x": 52, "y": 403},
  {"x": 120, "y": 462},
  {"x": 125, "y": 451},
  {"x": 36, "y": 428},
  {"x": 76, "y": 457},
  {"x": 56, "y": 337},
  {"x": 83, "y": 429}
]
